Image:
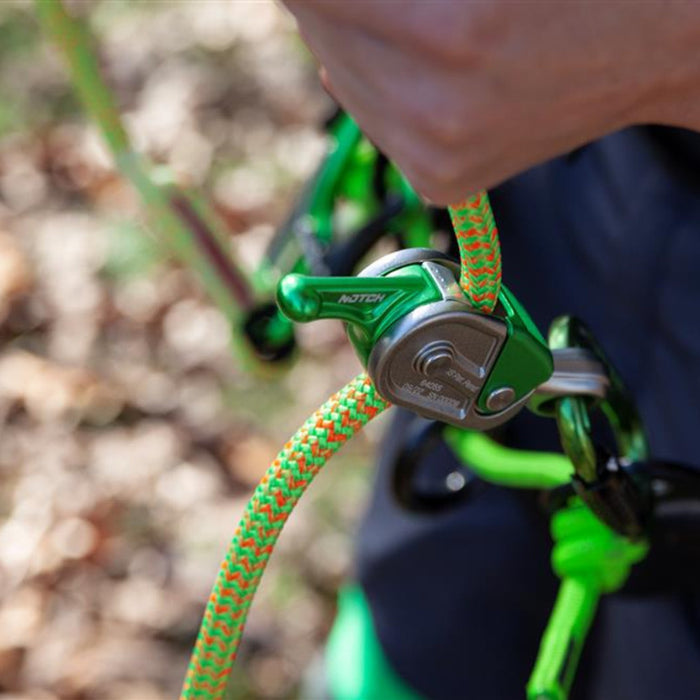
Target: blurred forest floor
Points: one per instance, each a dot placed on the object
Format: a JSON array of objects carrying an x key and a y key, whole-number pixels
[{"x": 130, "y": 441}]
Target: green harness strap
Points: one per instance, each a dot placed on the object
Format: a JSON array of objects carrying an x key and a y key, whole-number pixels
[{"x": 356, "y": 666}]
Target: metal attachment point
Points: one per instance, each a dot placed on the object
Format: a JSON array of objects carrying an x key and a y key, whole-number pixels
[
  {"x": 577, "y": 372},
  {"x": 434, "y": 358},
  {"x": 501, "y": 398}
]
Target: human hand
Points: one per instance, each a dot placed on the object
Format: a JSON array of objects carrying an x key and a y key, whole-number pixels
[{"x": 462, "y": 95}]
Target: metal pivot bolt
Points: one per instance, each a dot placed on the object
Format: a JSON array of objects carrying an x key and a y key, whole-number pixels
[
  {"x": 501, "y": 398},
  {"x": 434, "y": 358}
]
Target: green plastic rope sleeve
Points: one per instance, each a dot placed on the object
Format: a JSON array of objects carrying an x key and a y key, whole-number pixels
[
  {"x": 507, "y": 467},
  {"x": 563, "y": 639}
]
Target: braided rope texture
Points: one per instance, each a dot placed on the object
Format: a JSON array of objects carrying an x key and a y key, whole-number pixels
[
  {"x": 321, "y": 436},
  {"x": 479, "y": 250}
]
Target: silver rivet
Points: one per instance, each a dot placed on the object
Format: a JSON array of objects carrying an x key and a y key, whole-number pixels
[
  {"x": 501, "y": 398},
  {"x": 437, "y": 362},
  {"x": 455, "y": 481},
  {"x": 434, "y": 359}
]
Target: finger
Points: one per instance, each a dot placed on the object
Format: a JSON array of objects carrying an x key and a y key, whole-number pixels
[
  {"x": 348, "y": 60},
  {"x": 376, "y": 14},
  {"x": 438, "y": 31},
  {"x": 437, "y": 172},
  {"x": 395, "y": 101}
]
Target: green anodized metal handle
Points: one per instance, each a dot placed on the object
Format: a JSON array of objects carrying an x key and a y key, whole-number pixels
[
  {"x": 368, "y": 303},
  {"x": 572, "y": 413},
  {"x": 422, "y": 342}
]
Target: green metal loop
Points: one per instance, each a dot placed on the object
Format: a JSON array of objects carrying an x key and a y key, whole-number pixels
[
  {"x": 573, "y": 413},
  {"x": 505, "y": 466},
  {"x": 574, "y": 427}
]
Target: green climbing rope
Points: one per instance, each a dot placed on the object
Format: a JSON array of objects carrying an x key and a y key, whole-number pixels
[
  {"x": 343, "y": 415},
  {"x": 315, "y": 442},
  {"x": 479, "y": 250}
]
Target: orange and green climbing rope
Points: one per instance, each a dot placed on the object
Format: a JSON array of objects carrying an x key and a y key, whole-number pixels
[
  {"x": 479, "y": 250},
  {"x": 343, "y": 415}
]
